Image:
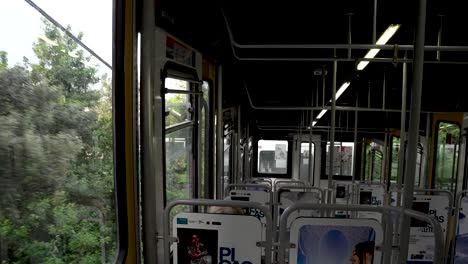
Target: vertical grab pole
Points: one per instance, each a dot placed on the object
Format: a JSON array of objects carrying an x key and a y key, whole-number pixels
[
  {"x": 401, "y": 152},
  {"x": 374, "y": 24},
  {"x": 311, "y": 122},
  {"x": 416, "y": 91},
  {"x": 332, "y": 130},
  {"x": 219, "y": 136},
  {"x": 152, "y": 148},
  {"x": 355, "y": 139}
]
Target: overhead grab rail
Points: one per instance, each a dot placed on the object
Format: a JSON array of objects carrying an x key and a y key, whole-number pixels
[{"x": 234, "y": 45}]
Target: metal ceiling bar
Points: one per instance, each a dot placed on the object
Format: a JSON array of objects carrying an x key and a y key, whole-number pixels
[
  {"x": 347, "y": 46},
  {"x": 413, "y": 132},
  {"x": 385, "y": 60},
  {"x": 374, "y": 23}
]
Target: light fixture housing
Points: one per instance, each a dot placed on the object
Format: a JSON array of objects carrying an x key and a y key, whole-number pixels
[{"x": 389, "y": 32}]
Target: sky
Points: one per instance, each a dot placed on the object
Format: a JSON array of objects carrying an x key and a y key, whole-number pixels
[{"x": 20, "y": 26}]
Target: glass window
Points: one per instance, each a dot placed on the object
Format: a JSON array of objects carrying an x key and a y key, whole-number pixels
[
  {"x": 227, "y": 161},
  {"x": 56, "y": 139},
  {"x": 373, "y": 161},
  {"x": 272, "y": 156},
  {"x": 178, "y": 155},
  {"x": 176, "y": 84},
  {"x": 178, "y": 107},
  {"x": 343, "y": 159},
  {"x": 395, "y": 164},
  {"x": 305, "y": 158},
  {"x": 448, "y": 146}
]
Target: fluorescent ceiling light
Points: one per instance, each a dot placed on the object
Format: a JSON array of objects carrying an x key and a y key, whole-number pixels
[
  {"x": 321, "y": 114},
  {"x": 314, "y": 123},
  {"x": 340, "y": 91},
  {"x": 391, "y": 30}
]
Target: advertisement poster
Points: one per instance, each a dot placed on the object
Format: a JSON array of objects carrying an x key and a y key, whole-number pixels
[
  {"x": 335, "y": 241},
  {"x": 343, "y": 193},
  {"x": 371, "y": 195},
  {"x": 281, "y": 154},
  {"x": 214, "y": 238},
  {"x": 461, "y": 249},
  {"x": 262, "y": 197},
  {"x": 421, "y": 246},
  {"x": 289, "y": 197}
]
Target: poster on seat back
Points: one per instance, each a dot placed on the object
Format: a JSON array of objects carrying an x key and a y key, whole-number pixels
[
  {"x": 421, "y": 245},
  {"x": 215, "y": 238},
  {"x": 461, "y": 248},
  {"x": 335, "y": 241},
  {"x": 262, "y": 197},
  {"x": 371, "y": 195},
  {"x": 289, "y": 197},
  {"x": 343, "y": 195}
]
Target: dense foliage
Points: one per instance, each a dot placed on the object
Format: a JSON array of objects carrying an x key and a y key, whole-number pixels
[{"x": 56, "y": 163}]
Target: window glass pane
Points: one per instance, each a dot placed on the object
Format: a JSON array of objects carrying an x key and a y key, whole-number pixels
[
  {"x": 177, "y": 108},
  {"x": 304, "y": 160},
  {"x": 175, "y": 84},
  {"x": 56, "y": 141},
  {"x": 447, "y": 155},
  {"x": 178, "y": 169},
  {"x": 395, "y": 157},
  {"x": 373, "y": 158},
  {"x": 343, "y": 159},
  {"x": 227, "y": 161},
  {"x": 272, "y": 156},
  {"x": 394, "y": 165}
]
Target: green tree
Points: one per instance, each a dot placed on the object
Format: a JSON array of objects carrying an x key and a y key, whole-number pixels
[
  {"x": 56, "y": 163},
  {"x": 3, "y": 60}
]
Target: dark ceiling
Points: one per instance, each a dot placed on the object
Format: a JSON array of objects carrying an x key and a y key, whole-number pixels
[{"x": 293, "y": 83}]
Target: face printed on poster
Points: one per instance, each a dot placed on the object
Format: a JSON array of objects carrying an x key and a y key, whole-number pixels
[
  {"x": 335, "y": 241},
  {"x": 461, "y": 249}
]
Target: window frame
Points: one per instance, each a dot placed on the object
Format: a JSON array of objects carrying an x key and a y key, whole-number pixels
[
  {"x": 288, "y": 174},
  {"x": 183, "y": 73}
]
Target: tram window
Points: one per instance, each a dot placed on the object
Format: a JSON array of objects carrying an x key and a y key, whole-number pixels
[
  {"x": 373, "y": 161},
  {"x": 178, "y": 151},
  {"x": 272, "y": 157},
  {"x": 177, "y": 106},
  {"x": 176, "y": 84},
  {"x": 448, "y": 146},
  {"x": 395, "y": 164},
  {"x": 304, "y": 160},
  {"x": 343, "y": 159},
  {"x": 227, "y": 161},
  {"x": 57, "y": 196}
]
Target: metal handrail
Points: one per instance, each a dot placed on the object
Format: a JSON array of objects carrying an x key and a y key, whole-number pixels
[
  {"x": 458, "y": 201},
  {"x": 384, "y": 210},
  {"x": 205, "y": 202}
]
